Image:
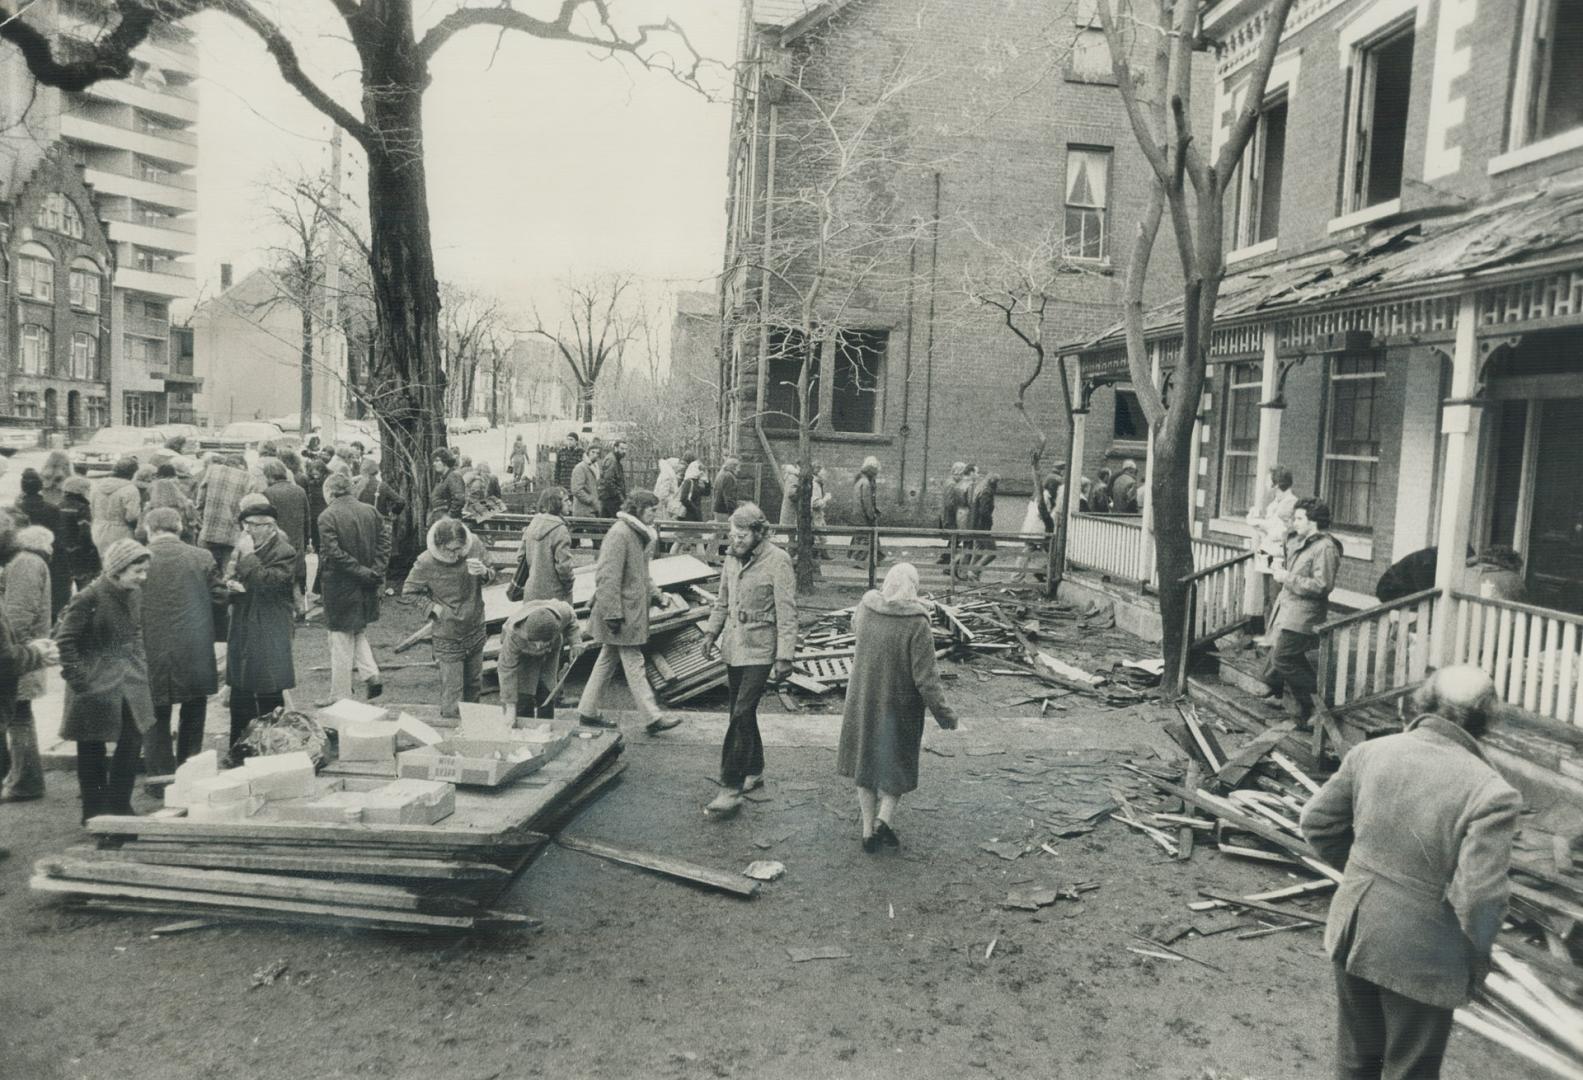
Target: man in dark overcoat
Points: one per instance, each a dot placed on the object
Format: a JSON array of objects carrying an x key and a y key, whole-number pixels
[
  {"x": 354, "y": 550},
  {"x": 179, "y": 596}
]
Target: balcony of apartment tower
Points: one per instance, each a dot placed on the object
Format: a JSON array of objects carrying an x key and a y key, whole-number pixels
[{"x": 154, "y": 272}]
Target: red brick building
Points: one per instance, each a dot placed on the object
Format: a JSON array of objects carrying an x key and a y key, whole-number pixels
[
  {"x": 893, "y": 151},
  {"x": 56, "y": 369},
  {"x": 1402, "y": 324}
]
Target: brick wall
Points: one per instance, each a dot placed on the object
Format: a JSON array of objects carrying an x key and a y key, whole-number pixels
[{"x": 993, "y": 119}]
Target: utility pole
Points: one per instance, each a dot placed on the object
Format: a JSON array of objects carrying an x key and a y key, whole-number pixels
[{"x": 334, "y": 343}]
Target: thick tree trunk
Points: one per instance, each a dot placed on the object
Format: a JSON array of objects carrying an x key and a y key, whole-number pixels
[
  {"x": 585, "y": 405},
  {"x": 410, "y": 395},
  {"x": 1171, "y": 479}
]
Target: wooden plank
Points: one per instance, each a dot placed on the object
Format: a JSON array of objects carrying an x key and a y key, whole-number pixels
[
  {"x": 1519, "y": 659},
  {"x": 1503, "y": 653},
  {"x": 1549, "y": 900},
  {"x": 1343, "y": 665},
  {"x": 187, "y": 899},
  {"x": 1549, "y": 662},
  {"x": 231, "y": 883},
  {"x": 1304, "y": 888},
  {"x": 735, "y": 884},
  {"x": 1202, "y": 738},
  {"x": 1392, "y": 628},
  {"x": 1568, "y": 669},
  {"x": 1461, "y": 648},
  {"x": 1235, "y": 770},
  {"x": 304, "y": 863},
  {"x": 1184, "y": 833},
  {"x": 1260, "y": 905},
  {"x": 1360, "y": 675},
  {"x": 1291, "y": 769}
]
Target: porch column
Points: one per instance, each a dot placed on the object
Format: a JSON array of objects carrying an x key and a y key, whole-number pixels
[
  {"x": 1460, "y": 422},
  {"x": 1074, "y": 467},
  {"x": 1271, "y": 409},
  {"x": 1145, "y": 500}
]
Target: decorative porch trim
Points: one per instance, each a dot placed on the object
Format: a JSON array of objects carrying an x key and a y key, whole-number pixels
[
  {"x": 1434, "y": 316},
  {"x": 1553, "y": 296}
]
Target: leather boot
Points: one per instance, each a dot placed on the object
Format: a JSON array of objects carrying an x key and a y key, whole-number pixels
[{"x": 25, "y": 779}]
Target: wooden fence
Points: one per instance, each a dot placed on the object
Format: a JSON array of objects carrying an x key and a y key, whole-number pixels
[
  {"x": 1532, "y": 653},
  {"x": 1375, "y": 656}
]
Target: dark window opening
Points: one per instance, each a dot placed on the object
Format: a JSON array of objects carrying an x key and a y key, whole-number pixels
[
  {"x": 1129, "y": 424},
  {"x": 787, "y": 348},
  {"x": 1381, "y": 136},
  {"x": 1556, "y": 97},
  {"x": 854, "y": 394}
]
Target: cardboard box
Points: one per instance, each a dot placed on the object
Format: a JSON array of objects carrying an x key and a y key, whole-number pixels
[
  {"x": 477, "y": 762},
  {"x": 350, "y": 711},
  {"x": 280, "y": 776},
  {"x": 367, "y": 740},
  {"x": 239, "y": 810},
  {"x": 374, "y": 802}
]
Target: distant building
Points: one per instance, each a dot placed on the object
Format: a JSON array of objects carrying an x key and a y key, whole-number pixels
[
  {"x": 57, "y": 302},
  {"x": 695, "y": 340}
]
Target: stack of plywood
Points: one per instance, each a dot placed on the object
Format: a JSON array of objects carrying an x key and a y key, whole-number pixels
[{"x": 284, "y": 863}]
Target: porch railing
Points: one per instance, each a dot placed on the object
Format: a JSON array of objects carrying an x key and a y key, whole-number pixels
[
  {"x": 1375, "y": 656},
  {"x": 1534, "y": 654},
  {"x": 1215, "y": 595},
  {"x": 1109, "y": 544}
]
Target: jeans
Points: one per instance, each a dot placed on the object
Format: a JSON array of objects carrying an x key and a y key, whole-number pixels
[
  {"x": 1381, "y": 1035},
  {"x": 24, "y": 777},
  {"x": 536, "y": 677},
  {"x": 159, "y": 756},
  {"x": 1290, "y": 668},
  {"x": 630, "y": 660},
  {"x": 460, "y": 680},
  {"x": 246, "y": 707},
  {"x": 106, "y": 786},
  {"x": 742, "y": 755},
  {"x": 350, "y": 652}
]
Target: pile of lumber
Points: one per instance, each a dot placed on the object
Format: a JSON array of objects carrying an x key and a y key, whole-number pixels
[
  {"x": 1248, "y": 804},
  {"x": 445, "y": 877}
]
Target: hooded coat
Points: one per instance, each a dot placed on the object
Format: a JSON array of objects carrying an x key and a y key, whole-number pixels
[
  {"x": 354, "y": 551},
  {"x": 623, "y": 589},
  {"x": 76, "y": 522},
  {"x": 547, "y": 554},
  {"x": 668, "y": 490},
  {"x": 263, "y": 618},
  {"x": 178, "y": 620},
  {"x": 894, "y": 677},
  {"x": 458, "y": 596},
  {"x": 27, "y": 603},
  {"x": 448, "y": 497},
  {"x": 102, "y": 660},
  {"x": 40, "y": 511},
  {"x": 116, "y": 504}
]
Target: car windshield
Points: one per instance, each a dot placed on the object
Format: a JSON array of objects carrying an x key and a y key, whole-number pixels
[
  {"x": 124, "y": 436},
  {"x": 250, "y": 431}
]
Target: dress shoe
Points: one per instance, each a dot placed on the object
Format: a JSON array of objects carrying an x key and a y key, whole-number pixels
[
  {"x": 375, "y": 688},
  {"x": 870, "y": 844},
  {"x": 596, "y": 722},
  {"x": 723, "y": 805},
  {"x": 886, "y": 835},
  {"x": 663, "y": 723}
]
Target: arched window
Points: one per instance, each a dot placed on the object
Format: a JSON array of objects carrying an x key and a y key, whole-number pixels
[
  {"x": 59, "y": 214},
  {"x": 86, "y": 284},
  {"x": 36, "y": 273},
  {"x": 35, "y": 349}
]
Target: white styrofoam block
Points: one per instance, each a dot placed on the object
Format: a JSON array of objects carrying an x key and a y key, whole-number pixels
[
  {"x": 350, "y": 710},
  {"x": 366, "y": 740},
  {"x": 281, "y": 776},
  {"x": 228, "y": 787},
  {"x": 239, "y": 810},
  {"x": 423, "y": 734},
  {"x": 202, "y": 766}
]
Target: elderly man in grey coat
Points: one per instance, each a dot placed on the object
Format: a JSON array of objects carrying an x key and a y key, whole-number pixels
[
  {"x": 354, "y": 550},
  {"x": 1424, "y": 827}
]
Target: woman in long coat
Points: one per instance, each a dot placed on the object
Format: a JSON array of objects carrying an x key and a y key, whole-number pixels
[
  {"x": 106, "y": 672},
  {"x": 893, "y": 678},
  {"x": 544, "y": 564},
  {"x": 453, "y": 573},
  {"x": 27, "y": 609},
  {"x": 258, "y": 663}
]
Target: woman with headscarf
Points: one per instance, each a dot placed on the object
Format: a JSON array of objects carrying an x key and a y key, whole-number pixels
[
  {"x": 894, "y": 677},
  {"x": 865, "y": 492},
  {"x": 668, "y": 489},
  {"x": 106, "y": 671}
]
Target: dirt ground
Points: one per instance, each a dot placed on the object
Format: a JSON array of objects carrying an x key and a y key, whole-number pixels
[{"x": 633, "y": 975}]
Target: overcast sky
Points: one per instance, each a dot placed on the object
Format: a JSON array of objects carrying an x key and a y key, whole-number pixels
[{"x": 546, "y": 162}]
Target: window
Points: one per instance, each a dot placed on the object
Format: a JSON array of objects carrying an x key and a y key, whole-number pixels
[
  {"x": 36, "y": 273},
  {"x": 1376, "y": 140},
  {"x": 59, "y": 214},
  {"x": 1128, "y": 424},
  {"x": 84, "y": 356},
  {"x": 1352, "y": 438},
  {"x": 1239, "y": 440},
  {"x": 25, "y": 404},
  {"x": 1090, "y": 56},
  {"x": 85, "y": 286},
  {"x": 146, "y": 261},
  {"x": 787, "y": 348},
  {"x": 1547, "y": 98},
  {"x": 141, "y": 408},
  {"x": 1259, "y": 178},
  {"x": 854, "y": 390},
  {"x": 35, "y": 349},
  {"x": 153, "y": 173},
  {"x": 148, "y": 352},
  {"x": 1087, "y": 188},
  {"x": 96, "y": 411}
]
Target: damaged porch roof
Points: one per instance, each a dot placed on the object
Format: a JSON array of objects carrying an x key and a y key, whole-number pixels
[{"x": 1427, "y": 256}]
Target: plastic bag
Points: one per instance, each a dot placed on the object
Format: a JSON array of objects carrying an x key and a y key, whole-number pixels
[{"x": 282, "y": 732}]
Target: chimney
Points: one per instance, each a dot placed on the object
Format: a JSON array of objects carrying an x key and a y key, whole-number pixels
[{"x": 225, "y": 276}]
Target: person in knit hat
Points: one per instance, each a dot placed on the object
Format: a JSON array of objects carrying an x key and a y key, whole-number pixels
[
  {"x": 258, "y": 662},
  {"x": 106, "y": 671},
  {"x": 76, "y": 517}
]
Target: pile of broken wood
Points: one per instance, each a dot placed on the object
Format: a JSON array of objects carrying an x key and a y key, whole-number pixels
[
  {"x": 443, "y": 877},
  {"x": 1248, "y": 803}
]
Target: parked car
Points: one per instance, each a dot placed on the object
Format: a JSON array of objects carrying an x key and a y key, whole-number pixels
[
  {"x": 244, "y": 437},
  {"x": 109, "y": 444},
  {"x": 186, "y": 431}
]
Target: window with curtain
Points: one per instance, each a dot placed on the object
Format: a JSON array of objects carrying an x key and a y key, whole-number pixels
[
  {"x": 1087, "y": 202},
  {"x": 1352, "y": 438},
  {"x": 35, "y": 349}
]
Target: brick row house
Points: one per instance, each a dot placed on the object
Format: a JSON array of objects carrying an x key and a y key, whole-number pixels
[
  {"x": 1402, "y": 321},
  {"x": 948, "y": 139},
  {"x": 56, "y": 372}
]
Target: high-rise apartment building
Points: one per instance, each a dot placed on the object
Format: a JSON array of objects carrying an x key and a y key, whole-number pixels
[{"x": 136, "y": 144}]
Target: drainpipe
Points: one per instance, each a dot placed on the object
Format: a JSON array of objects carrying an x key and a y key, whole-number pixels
[
  {"x": 906, "y": 379},
  {"x": 764, "y": 299},
  {"x": 928, "y": 367}
]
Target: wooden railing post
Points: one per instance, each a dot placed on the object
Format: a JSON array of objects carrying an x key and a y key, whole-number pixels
[
  {"x": 1187, "y": 635},
  {"x": 873, "y": 550}
]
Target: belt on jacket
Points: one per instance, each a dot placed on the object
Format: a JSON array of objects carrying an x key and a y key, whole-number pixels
[{"x": 1418, "y": 887}]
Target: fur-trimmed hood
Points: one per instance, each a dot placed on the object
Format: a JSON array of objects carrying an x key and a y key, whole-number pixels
[
  {"x": 645, "y": 534},
  {"x": 37, "y": 539},
  {"x": 439, "y": 553}
]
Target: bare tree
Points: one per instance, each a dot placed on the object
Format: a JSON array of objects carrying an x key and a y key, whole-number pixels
[
  {"x": 394, "y": 67},
  {"x": 834, "y": 237},
  {"x": 1158, "y": 102},
  {"x": 592, "y": 332},
  {"x": 470, "y": 323},
  {"x": 1018, "y": 283}
]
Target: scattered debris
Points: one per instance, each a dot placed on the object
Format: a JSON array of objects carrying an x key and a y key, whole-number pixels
[
  {"x": 801, "y": 953},
  {"x": 1004, "y": 848},
  {"x": 266, "y": 975},
  {"x": 765, "y": 870}
]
